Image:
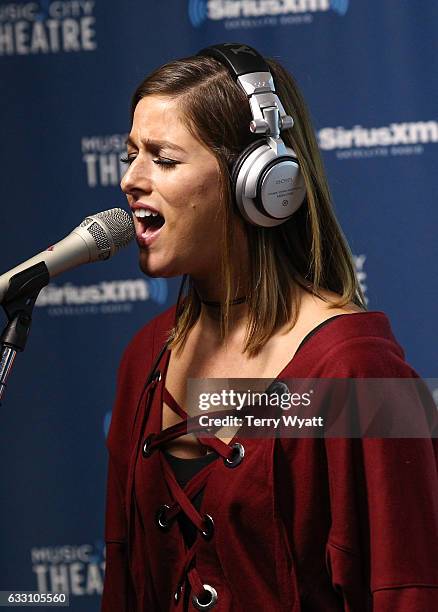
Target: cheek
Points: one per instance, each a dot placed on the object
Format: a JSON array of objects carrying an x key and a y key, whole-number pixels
[
  {"x": 198, "y": 198},
  {"x": 205, "y": 196}
]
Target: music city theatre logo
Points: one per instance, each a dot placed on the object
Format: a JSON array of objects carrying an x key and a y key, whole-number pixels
[
  {"x": 101, "y": 157},
  {"x": 234, "y": 14},
  {"x": 47, "y": 26},
  {"x": 396, "y": 139},
  {"x": 76, "y": 570},
  {"x": 106, "y": 297}
]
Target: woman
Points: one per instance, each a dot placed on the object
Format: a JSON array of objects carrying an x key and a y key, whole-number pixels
[{"x": 197, "y": 522}]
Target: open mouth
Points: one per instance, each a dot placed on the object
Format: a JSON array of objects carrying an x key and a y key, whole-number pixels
[{"x": 149, "y": 219}]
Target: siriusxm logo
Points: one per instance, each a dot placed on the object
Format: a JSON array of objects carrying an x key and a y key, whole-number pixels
[
  {"x": 107, "y": 297},
  {"x": 201, "y": 10},
  {"x": 339, "y": 6},
  {"x": 395, "y": 134},
  {"x": 197, "y": 12},
  {"x": 405, "y": 138}
]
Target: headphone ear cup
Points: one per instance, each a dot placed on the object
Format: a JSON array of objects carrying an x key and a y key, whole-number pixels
[
  {"x": 267, "y": 188},
  {"x": 243, "y": 166},
  {"x": 241, "y": 160},
  {"x": 280, "y": 187}
]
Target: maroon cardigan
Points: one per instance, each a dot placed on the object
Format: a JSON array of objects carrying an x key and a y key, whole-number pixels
[{"x": 301, "y": 524}]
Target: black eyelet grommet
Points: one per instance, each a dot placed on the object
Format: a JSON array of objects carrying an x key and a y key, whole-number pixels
[
  {"x": 146, "y": 450},
  {"x": 160, "y": 518},
  {"x": 207, "y": 532},
  {"x": 207, "y": 600},
  {"x": 178, "y": 593},
  {"x": 278, "y": 387},
  {"x": 157, "y": 376},
  {"x": 236, "y": 456}
]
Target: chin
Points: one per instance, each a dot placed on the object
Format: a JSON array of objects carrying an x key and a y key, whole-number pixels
[{"x": 156, "y": 269}]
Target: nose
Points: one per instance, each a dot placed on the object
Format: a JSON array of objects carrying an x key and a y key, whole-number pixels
[{"x": 136, "y": 178}]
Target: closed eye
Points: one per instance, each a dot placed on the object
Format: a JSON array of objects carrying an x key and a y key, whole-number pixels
[
  {"x": 127, "y": 159},
  {"x": 165, "y": 162}
]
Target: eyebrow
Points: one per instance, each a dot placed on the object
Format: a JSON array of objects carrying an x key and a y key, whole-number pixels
[{"x": 157, "y": 144}]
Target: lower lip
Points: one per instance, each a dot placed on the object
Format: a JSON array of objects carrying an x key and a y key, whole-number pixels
[{"x": 145, "y": 239}]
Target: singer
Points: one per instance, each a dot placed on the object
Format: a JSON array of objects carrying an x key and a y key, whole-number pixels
[{"x": 227, "y": 188}]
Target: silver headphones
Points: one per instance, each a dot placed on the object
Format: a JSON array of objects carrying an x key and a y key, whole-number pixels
[{"x": 266, "y": 179}]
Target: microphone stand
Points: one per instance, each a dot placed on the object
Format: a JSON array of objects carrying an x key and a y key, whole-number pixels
[{"x": 18, "y": 303}]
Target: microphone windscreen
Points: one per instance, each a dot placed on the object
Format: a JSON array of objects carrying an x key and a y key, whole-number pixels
[{"x": 111, "y": 229}]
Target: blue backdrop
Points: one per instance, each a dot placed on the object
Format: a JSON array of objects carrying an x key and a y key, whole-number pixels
[{"x": 369, "y": 73}]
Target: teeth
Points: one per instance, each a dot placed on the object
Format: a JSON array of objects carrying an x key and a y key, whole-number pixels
[{"x": 140, "y": 213}]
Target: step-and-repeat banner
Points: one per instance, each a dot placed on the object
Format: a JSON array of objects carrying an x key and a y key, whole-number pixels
[{"x": 68, "y": 68}]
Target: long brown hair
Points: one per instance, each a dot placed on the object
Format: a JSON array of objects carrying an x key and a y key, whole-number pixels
[{"x": 309, "y": 250}]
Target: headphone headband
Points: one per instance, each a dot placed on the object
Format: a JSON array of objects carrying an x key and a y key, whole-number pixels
[
  {"x": 266, "y": 177},
  {"x": 250, "y": 70},
  {"x": 239, "y": 59}
]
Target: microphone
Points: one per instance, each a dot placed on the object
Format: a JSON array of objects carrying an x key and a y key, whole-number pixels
[{"x": 98, "y": 237}]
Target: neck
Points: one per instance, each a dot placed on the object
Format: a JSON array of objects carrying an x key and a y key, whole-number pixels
[
  {"x": 212, "y": 291},
  {"x": 213, "y": 301}
]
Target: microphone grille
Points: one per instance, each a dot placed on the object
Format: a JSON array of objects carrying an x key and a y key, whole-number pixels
[
  {"x": 119, "y": 225},
  {"x": 101, "y": 239}
]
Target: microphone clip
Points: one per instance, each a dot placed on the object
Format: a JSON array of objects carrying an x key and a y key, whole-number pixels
[{"x": 18, "y": 303}]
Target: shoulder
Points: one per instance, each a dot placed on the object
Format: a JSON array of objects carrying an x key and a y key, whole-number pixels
[
  {"x": 363, "y": 345},
  {"x": 133, "y": 371},
  {"x": 149, "y": 339},
  {"x": 140, "y": 354},
  {"x": 357, "y": 344}
]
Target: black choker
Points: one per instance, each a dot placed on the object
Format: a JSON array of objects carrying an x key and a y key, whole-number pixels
[{"x": 240, "y": 300}]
